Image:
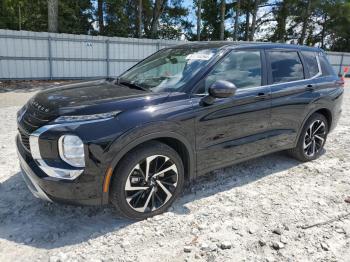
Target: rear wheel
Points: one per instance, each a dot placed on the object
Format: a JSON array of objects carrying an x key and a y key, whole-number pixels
[
  {"x": 312, "y": 139},
  {"x": 147, "y": 181}
]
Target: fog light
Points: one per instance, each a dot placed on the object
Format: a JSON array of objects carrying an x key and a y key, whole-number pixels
[{"x": 71, "y": 150}]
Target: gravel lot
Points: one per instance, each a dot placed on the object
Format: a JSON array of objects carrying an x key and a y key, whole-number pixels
[{"x": 269, "y": 209}]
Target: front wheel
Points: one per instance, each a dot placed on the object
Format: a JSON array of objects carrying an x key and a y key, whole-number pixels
[
  {"x": 147, "y": 181},
  {"x": 312, "y": 139}
]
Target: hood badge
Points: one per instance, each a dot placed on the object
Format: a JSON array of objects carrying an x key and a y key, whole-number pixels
[{"x": 39, "y": 106}]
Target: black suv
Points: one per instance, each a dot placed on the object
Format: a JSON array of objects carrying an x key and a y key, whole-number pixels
[{"x": 135, "y": 140}]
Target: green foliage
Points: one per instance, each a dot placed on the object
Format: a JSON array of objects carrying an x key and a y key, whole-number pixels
[
  {"x": 33, "y": 15},
  {"x": 323, "y": 23},
  {"x": 74, "y": 16}
]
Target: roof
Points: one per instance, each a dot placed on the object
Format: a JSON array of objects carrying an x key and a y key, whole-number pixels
[{"x": 236, "y": 44}]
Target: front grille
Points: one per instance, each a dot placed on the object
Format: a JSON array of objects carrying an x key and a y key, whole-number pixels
[
  {"x": 31, "y": 120},
  {"x": 24, "y": 139}
]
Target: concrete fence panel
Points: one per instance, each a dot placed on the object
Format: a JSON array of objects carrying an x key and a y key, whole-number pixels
[{"x": 41, "y": 55}]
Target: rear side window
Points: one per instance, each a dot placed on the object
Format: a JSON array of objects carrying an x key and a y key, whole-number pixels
[
  {"x": 311, "y": 62},
  {"x": 286, "y": 66},
  {"x": 326, "y": 68}
]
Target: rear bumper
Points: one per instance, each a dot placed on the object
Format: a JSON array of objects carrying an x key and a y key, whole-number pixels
[{"x": 78, "y": 192}]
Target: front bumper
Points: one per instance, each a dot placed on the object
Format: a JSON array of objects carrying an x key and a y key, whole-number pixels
[
  {"x": 85, "y": 190},
  {"x": 31, "y": 180}
]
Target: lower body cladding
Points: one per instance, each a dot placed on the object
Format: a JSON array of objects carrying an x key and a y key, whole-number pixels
[{"x": 85, "y": 190}]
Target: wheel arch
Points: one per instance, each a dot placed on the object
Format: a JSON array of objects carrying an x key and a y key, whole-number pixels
[
  {"x": 326, "y": 112},
  {"x": 176, "y": 141}
]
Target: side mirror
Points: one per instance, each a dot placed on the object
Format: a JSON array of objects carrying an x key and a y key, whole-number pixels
[{"x": 219, "y": 89}]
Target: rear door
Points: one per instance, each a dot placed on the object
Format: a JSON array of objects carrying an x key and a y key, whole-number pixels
[{"x": 292, "y": 89}]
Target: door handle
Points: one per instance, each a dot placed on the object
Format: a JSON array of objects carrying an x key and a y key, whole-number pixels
[
  {"x": 261, "y": 96},
  {"x": 310, "y": 87}
]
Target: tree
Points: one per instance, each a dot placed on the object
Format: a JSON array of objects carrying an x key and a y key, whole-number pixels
[
  {"x": 52, "y": 8},
  {"x": 139, "y": 19},
  {"x": 222, "y": 19},
  {"x": 172, "y": 22},
  {"x": 75, "y": 16},
  {"x": 254, "y": 14},
  {"x": 281, "y": 13},
  {"x": 305, "y": 21},
  {"x": 237, "y": 15},
  {"x": 100, "y": 16},
  {"x": 211, "y": 20},
  {"x": 199, "y": 19},
  {"x": 157, "y": 12}
]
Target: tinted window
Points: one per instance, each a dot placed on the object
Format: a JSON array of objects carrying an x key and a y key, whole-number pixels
[
  {"x": 243, "y": 68},
  {"x": 326, "y": 68},
  {"x": 286, "y": 66},
  {"x": 311, "y": 62}
]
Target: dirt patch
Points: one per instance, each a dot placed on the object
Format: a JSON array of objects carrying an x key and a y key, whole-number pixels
[{"x": 14, "y": 93}]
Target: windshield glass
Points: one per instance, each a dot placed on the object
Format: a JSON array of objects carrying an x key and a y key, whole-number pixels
[{"x": 169, "y": 69}]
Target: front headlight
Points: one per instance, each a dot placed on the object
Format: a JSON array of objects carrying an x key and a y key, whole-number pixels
[
  {"x": 71, "y": 150},
  {"x": 65, "y": 119}
]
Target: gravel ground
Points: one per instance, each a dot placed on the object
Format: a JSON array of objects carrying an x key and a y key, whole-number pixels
[{"x": 269, "y": 209}]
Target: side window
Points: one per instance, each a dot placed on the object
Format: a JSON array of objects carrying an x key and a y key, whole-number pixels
[
  {"x": 243, "y": 68},
  {"x": 326, "y": 68},
  {"x": 286, "y": 66},
  {"x": 311, "y": 62}
]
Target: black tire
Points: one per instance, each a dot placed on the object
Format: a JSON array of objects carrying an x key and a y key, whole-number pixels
[
  {"x": 299, "y": 152},
  {"x": 128, "y": 164}
]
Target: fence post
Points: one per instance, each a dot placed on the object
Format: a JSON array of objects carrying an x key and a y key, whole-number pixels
[
  {"x": 158, "y": 46},
  {"x": 50, "y": 57},
  {"x": 341, "y": 63},
  {"x": 107, "y": 58}
]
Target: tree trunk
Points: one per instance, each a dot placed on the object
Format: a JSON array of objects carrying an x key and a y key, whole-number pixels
[
  {"x": 52, "y": 11},
  {"x": 255, "y": 11},
  {"x": 283, "y": 12},
  {"x": 247, "y": 17},
  {"x": 100, "y": 16},
  {"x": 139, "y": 19},
  {"x": 199, "y": 19},
  {"x": 305, "y": 22},
  {"x": 222, "y": 19},
  {"x": 235, "y": 30},
  {"x": 323, "y": 30},
  {"x": 157, "y": 11}
]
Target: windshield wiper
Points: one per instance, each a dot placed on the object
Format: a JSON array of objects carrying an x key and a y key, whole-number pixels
[{"x": 132, "y": 85}]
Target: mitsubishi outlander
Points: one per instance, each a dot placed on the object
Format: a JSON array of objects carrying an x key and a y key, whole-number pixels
[{"x": 135, "y": 140}]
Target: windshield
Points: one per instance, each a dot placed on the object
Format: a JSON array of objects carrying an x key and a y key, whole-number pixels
[{"x": 169, "y": 69}]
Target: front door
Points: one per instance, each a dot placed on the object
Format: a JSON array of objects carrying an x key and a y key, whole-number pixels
[{"x": 237, "y": 127}]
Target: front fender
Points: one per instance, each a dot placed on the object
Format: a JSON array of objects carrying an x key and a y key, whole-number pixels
[{"x": 141, "y": 134}]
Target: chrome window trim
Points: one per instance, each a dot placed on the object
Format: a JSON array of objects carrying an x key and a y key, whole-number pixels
[{"x": 319, "y": 74}]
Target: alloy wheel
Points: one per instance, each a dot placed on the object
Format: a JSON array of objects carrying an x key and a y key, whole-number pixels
[
  {"x": 315, "y": 137},
  {"x": 151, "y": 183}
]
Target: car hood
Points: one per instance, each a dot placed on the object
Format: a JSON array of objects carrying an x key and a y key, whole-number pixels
[{"x": 91, "y": 97}]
